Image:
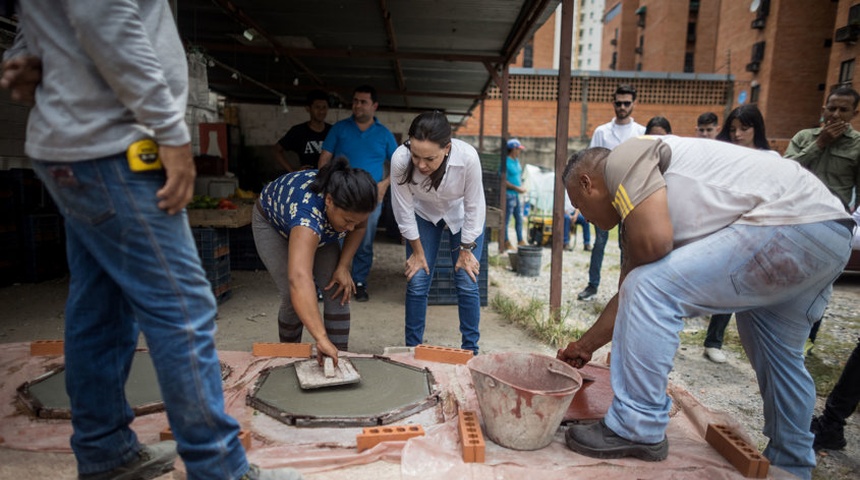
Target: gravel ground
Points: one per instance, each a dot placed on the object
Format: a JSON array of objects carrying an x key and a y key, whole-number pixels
[{"x": 729, "y": 387}]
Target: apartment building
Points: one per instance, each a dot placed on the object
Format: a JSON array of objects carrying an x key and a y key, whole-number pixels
[{"x": 541, "y": 51}]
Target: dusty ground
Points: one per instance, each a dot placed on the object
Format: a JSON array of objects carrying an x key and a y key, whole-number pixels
[{"x": 35, "y": 311}]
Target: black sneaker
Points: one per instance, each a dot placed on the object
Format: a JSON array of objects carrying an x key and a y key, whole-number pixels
[
  {"x": 361, "y": 293},
  {"x": 827, "y": 435},
  {"x": 587, "y": 247},
  {"x": 587, "y": 293},
  {"x": 152, "y": 461},
  {"x": 598, "y": 441},
  {"x": 319, "y": 295}
]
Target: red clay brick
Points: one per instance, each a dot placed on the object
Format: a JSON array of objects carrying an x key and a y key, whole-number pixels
[
  {"x": 371, "y": 436},
  {"x": 442, "y": 354},
  {"x": 301, "y": 350},
  {"x": 472, "y": 438},
  {"x": 46, "y": 347},
  {"x": 743, "y": 456}
]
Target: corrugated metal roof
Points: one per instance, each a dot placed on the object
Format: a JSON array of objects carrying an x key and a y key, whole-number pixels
[{"x": 418, "y": 54}]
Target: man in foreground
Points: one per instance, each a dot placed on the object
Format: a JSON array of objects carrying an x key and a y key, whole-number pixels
[
  {"x": 708, "y": 228},
  {"x": 108, "y": 137}
]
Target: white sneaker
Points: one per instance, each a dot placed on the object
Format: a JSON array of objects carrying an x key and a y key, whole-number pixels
[{"x": 715, "y": 355}]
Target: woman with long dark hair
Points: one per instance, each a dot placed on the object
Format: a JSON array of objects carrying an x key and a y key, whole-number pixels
[
  {"x": 298, "y": 225},
  {"x": 437, "y": 183},
  {"x": 744, "y": 126}
]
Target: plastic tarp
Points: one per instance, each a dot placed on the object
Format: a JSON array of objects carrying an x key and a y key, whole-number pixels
[{"x": 437, "y": 455}]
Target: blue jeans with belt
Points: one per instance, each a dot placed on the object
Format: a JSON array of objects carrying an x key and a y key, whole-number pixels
[
  {"x": 777, "y": 278},
  {"x": 418, "y": 288},
  {"x": 134, "y": 268}
]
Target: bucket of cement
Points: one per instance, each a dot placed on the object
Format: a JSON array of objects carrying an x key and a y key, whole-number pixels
[
  {"x": 523, "y": 396},
  {"x": 528, "y": 264}
]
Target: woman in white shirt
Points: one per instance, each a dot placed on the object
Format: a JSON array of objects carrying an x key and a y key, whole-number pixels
[{"x": 436, "y": 183}]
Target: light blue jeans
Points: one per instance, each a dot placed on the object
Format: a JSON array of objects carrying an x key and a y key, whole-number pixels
[
  {"x": 418, "y": 288},
  {"x": 777, "y": 279},
  {"x": 363, "y": 259},
  {"x": 513, "y": 207},
  {"x": 133, "y": 267}
]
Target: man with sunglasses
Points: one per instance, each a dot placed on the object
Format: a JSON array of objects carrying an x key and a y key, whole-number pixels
[{"x": 610, "y": 135}]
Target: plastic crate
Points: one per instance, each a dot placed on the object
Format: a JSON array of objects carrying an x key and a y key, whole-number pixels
[
  {"x": 443, "y": 290},
  {"x": 492, "y": 187},
  {"x": 222, "y": 292},
  {"x": 212, "y": 244},
  {"x": 243, "y": 250},
  {"x": 40, "y": 228},
  {"x": 28, "y": 193},
  {"x": 44, "y": 262},
  {"x": 219, "y": 276},
  {"x": 218, "y": 271}
]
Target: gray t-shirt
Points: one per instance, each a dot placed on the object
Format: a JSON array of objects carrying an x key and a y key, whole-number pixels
[
  {"x": 711, "y": 185},
  {"x": 113, "y": 73}
]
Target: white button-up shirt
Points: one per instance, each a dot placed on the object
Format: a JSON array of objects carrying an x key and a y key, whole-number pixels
[{"x": 459, "y": 200}]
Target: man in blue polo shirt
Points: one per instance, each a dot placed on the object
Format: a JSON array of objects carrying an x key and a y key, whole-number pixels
[{"x": 368, "y": 145}]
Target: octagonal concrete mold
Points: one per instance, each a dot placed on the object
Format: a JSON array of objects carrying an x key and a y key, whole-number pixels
[
  {"x": 388, "y": 391},
  {"x": 45, "y": 396}
]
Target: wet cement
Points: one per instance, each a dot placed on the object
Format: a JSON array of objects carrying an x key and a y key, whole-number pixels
[
  {"x": 49, "y": 392},
  {"x": 384, "y": 387}
]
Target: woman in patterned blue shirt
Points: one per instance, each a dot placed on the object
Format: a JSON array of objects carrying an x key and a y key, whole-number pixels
[{"x": 298, "y": 224}]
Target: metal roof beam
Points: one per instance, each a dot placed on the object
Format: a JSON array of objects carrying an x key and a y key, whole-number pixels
[
  {"x": 240, "y": 16},
  {"x": 392, "y": 45},
  {"x": 350, "y": 53}
]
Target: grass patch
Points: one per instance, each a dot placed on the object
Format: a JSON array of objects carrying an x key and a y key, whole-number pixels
[
  {"x": 496, "y": 261},
  {"x": 824, "y": 365},
  {"x": 534, "y": 318}
]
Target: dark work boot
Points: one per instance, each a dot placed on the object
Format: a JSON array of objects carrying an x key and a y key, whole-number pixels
[
  {"x": 828, "y": 435},
  {"x": 153, "y": 461},
  {"x": 596, "y": 440}
]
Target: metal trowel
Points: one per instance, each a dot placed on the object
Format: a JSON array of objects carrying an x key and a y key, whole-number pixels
[{"x": 311, "y": 375}]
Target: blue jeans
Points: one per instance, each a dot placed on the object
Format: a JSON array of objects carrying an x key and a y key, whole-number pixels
[
  {"x": 418, "y": 288},
  {"x": 274, "y": 252},
  {"x": 135, "y": 268},
  {"x": 363, "y": 259},
  {"x": 601, "y": 237},
  {"x": 586, "y": 229},
  {"x": 778, "y": 280},
  {"x": 512, "y": 206}
]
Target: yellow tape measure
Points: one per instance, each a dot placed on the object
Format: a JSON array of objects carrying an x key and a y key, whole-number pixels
[{"x": 143, "y": 156}]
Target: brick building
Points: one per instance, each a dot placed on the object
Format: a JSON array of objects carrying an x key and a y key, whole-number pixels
[
  {"x": 540, "y": 52},
  {"x": 783, "y": 55},
  {"x": 845, "y": 52}
]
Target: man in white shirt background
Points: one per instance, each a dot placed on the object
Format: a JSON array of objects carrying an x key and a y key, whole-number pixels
[{"x": 610, "y": 135}]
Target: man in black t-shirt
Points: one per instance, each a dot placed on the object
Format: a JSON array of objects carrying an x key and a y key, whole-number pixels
[{"x": 305, "y": 139}]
